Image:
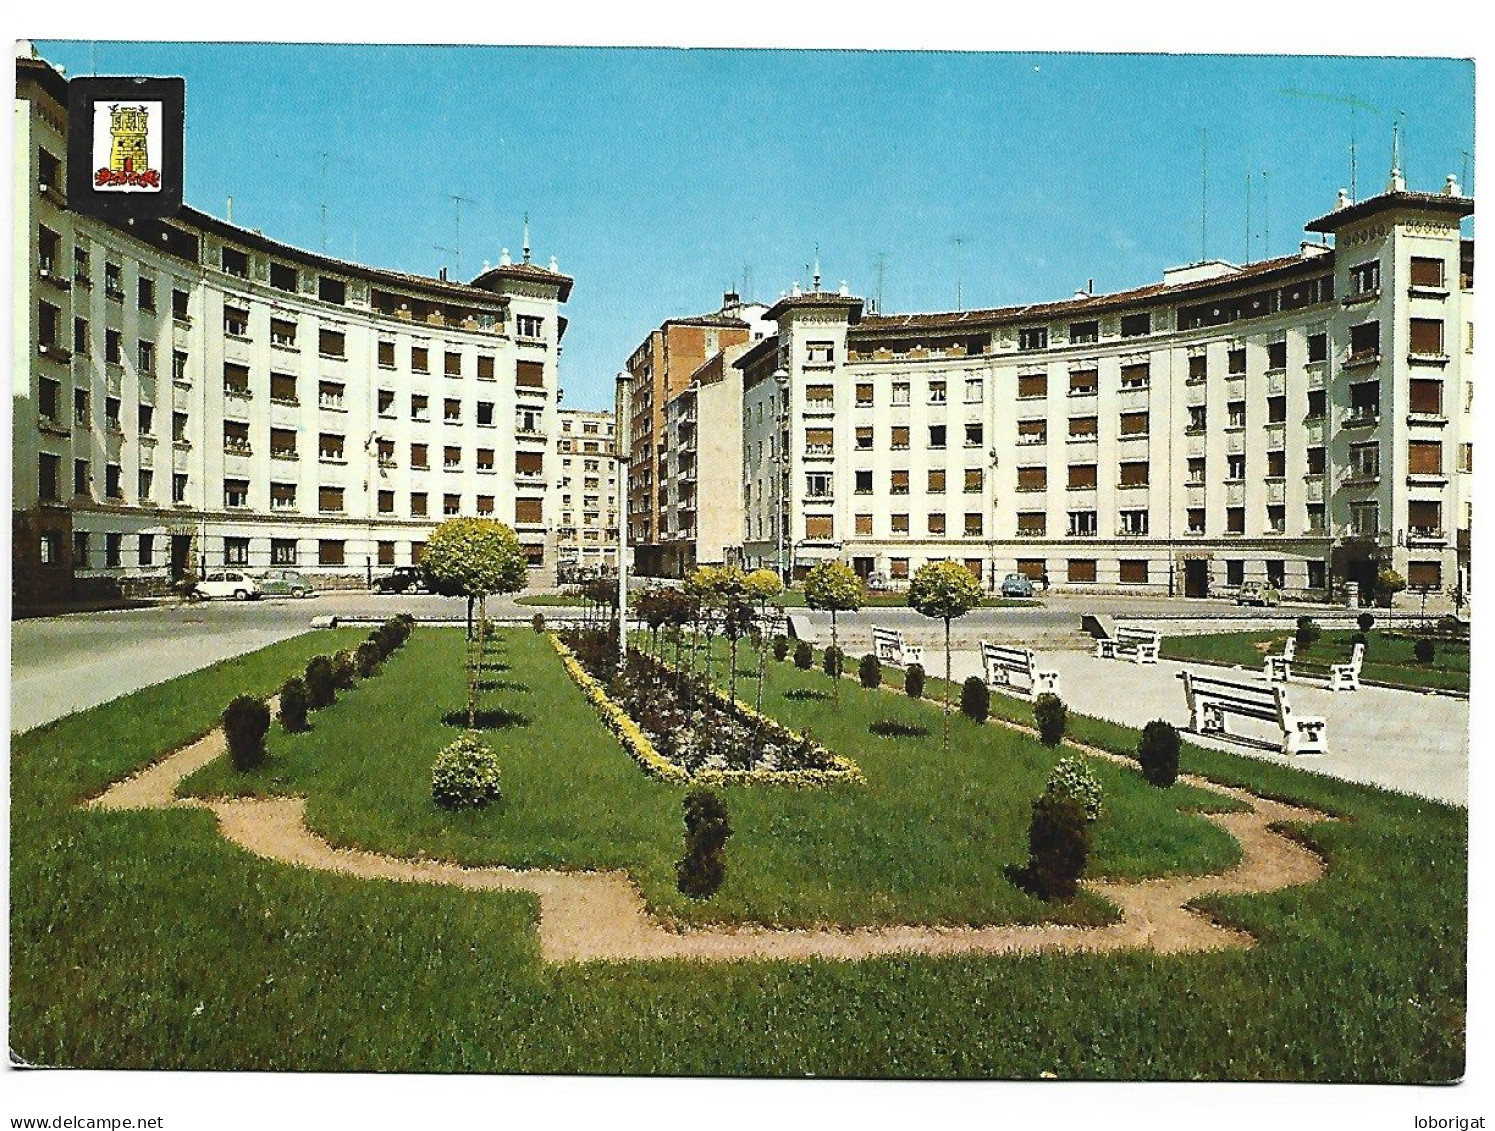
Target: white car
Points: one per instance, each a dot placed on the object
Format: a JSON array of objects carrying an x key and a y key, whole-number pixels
[{"x": 227, "y": 583}]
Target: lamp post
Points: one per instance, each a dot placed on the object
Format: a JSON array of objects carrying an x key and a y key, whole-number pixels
[
  {"x": 781, "y": 463},
  {"x": 623, "y": 449}
]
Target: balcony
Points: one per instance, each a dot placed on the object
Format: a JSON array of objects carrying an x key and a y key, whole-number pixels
[
  {"x": 1361, "y": 418},
  {"x": 819, "y": 451},
  {"x": 289, "y": 454},
  {"x": 1426, "y": 536},
  {"x": 46, "y": 271},
  {"x": 1361, "y": 359},
  {"x": 55, "y": 351},
  {"x": 237, "y": 448}
]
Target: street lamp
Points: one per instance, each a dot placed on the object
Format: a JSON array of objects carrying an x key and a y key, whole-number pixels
[
  {"x": 623, "y": 450},
  {"x": 781, "y": 463}
]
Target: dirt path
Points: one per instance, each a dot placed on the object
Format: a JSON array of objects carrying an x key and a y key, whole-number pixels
[{"x": 600, "y": 916}]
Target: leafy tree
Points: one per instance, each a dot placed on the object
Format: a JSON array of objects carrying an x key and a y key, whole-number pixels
[
  {"x": 1388, "y": 584},
  {"x": 832, "y": 587},
  {"x": 944, "y": 590},
  {"x": 760, "y": 587},
  {"x": 474, "y": 558}
]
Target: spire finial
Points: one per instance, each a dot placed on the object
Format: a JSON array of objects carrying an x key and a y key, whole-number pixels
[
  {"x": 526, "y": 237},
  {"x": 817, "y": 269},
  {"x": 1398, "y": 183}
]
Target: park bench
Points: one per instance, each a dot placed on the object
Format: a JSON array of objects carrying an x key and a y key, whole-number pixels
[
  {"x": 1002, "y": 662},
  {"x": 890, "y": 648},
  {"x": 1140, "y": 644},
  {"x": 1212, "y": 701},
  {"x": 1279, "y": 669},
  {"x": 1341, "y": 677}
]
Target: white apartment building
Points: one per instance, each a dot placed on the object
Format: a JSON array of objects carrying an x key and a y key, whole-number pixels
[
  {"x": 1302, "y": 421},
  {"x": 589, "y": 491},
  {"x": 191, "y": 394}
]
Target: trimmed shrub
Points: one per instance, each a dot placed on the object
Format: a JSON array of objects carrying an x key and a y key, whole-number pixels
[
  {"x": 1071, "y": 777},
  {"x": 869, "y": 671},
  {"x": 1051, "y": 716},
  {"x": 1157, "y": 750},
  {"x": 804, "y": 656},
  {"x": 780, "y": 648},
  {"x": 1424, "y": 651},
  {"x": 537, "y": 622},
  {"x": 367, "y": 658},
  {"x": 1308, "y": 632},
  {"x": 246, "y": 721},
  {"x": 1058, "y": 847},
  {"x": 321, "y": 688},
  {"x": 975, "y": 699},
  {"x": 465, "y": 775},
  {"x": 293, "y": 704},
  {"x": 1366, "y": 621},
  {"x": 834, "y": 661},
  {"x": 1361, "y": 638},
  {"x": 913, "y": 681},
  {"x": 344, "y": 671},
  {"x": 703, "y": 867}
]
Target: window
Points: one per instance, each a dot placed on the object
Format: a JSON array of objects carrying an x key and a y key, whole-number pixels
[
  {"x": 114, "y": 286},
  {"x": 330, "y": 395},
  {"x": 1134, "y": 325},
  {"x": 179, "y": 487},
  {"x": 1318, "y": 404},
  {"x": 82, "y": 477},
  {"x": 113, "y": 347},
  {"x": 485, "y": 367},
  {"x": 179, "y": 301},
  {"x": 1424, "y": 576},
  {"x": 386, "y": 502},
  {"x": 1315, "y": 526},
  {"x": 1276, "y": 570},
  {"x": 1081, "y": 571},
  {"x": 532, "y": 463},
  {"x": 332, "y": 290},
  {"x": 1425, "y": 517},
  {"x": 1318, "y": 347},
  {"x": 330, "y": 448},
  {"x": 1365, "y": 341},
  {"x": 1081, "y": 333},
  {"x": 420, "y": 359},
  {"x": 900, "y": 523},
  {"x": 332, "y": 343},
  {"x": 1365, "y": 461},
  {"x": 1426, "y": 396},
  {"x": 235, "y": 262},
  {"x": 863, "y": 524},
  {"x": 900, "y": 437},
  {"x": 1033, "y": 338},
  {"x": 236, "y": 493},
  {"x": 1427, "y": 272},
  {"x": 821, "y": 527},
  {"x": 936, "y": 485},
  {"x": 417, "y": 552},
  {"x": 282, "y": 276},
  {"x": 47, "y": 475},
  {"x": 1365, "y": 400},
  {"x": 1317, "y": 460},
  {"x": 900, "y": 392},
  {"x": 1133, "y": 571},
  {"x": 936, "y": 392},
  {"x": 1032, "y": 478},
  {"x": 235, "y": 322},
  {"x": 864, "y": 438},
  {"x": 1083, "y": 427},
  {"x": 1427, "y": 337},
  {"x": 1235, "y": 467},
  {"x": 145, "y": 358},
  {"x": 974, "y": 480},
  {"x": 1032, "y": 431},
  {"x": 485, "y": 414},
  {"x": 936, "y": 435},
  {"x": 145, "y": 550},
  {"x": 973, "y": 524},
  {"x": 283, "y": 333},
  {"x": 1466, "y": 457},
  {"x": 863, "y": 484},
  {"x": 1031, "y": 524},
  {"x": 330, "y": 500},
  {"x": 1032, "y": 384},
  {"x": 80, "y": 335},
  {"x": 975, "y": 435},
  {"x": 386, "y": 402},
  {"x": 1134, "y": 423},
  {"x": 235, "y": 379},
  {"x": 1235, "y": 361},
  {"x": 820, "y": 353},
  {"x": 1365, "y": 519},
  {"x": 1195, "y": 520},
  {"x": 936, "y": 522},
  {"x": 1197, "y": 418},
  {"x": 1235, "y": 572},
  {"x": 386, "y": 553},
  {"x": 1366, "y": 278},
  {"x": 1276, "y": 355},
  {"x": 80, "y": 408},
  {"x": 418, "y": 504},
  {"x": 1276, "y": 520},
  {"x": 864, "y": 394},
  {"x": 975, "y": 390},
  {"x": 283, "y": 388},
  {"x": 1136, "y": 376},
  {"x": 1276, "y": 409},
  {"x": 145, "y": 293},
  {"x": 529, "y": 374},
  {"x": 1425, "y": 457},
  {"x": 236, "y": 551},
  {"x": 80, "y": 549},
  {"x": 330, "y": 552},
  {"x": 898, "y": 483},
  {"x": 529, "y": 326},
  {"x": 1134, "y": 473},
  {"x": 1082, "y": 382},
  {"x": 1198, "y": 368},
  {"x": 236, "y": 438},
  {"x": 179, "y": 366},
  {"x": 453, "y": 363},
  {"x": 1082, "y": 524},
  {"x": 282, "y": 496},
  {"x": 1235, "y": 414},
  {"x": 1235, "y": 520},
  {"x": 48, "y": 399}
]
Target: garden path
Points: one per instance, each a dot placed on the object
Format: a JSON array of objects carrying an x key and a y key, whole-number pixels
[{"x": 601, "y": 916}]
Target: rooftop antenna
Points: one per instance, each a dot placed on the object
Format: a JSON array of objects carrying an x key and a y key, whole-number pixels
[
  {"x": 323, "y": 203},
  {"x": 230, "y": 216},
  {"x": 959, "y": 242},
  {"x": 882, "y": 265},
  {"x": 1203, "y": 195},
  {"x": 1354, "y": 104},
  {"x": 526, "y": 237},
  {"x": 1248, "y": 216},
  {"x": 1464, "y": 172},
  {"x": 817, "y": 269},
  {"x": 1266, "y": 216},
  {"x": 457, "y": 203},
  {"x": 747, "y": 282}
]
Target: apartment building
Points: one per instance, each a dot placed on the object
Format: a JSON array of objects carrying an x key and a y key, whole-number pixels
[
  {"x": 191, "y": 394},
  {"x": 1302, "y": 421},
  {"x": 700, "y": 468},
  {"x": 661, "y": 367},
  {"x": 590, "y": 492}
]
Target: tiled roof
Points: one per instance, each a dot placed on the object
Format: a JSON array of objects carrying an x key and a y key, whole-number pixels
[
  {"x": 1460, "y": 206},
  {"x": 526, "y": 271},
  {"x": 814, "y": 298}
]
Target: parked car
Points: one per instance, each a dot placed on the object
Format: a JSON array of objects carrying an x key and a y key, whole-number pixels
[
  {"x": 1255, "y": 593},
  {"x": 403, "y": 579},
  {"x": 283, "y": 582},
  {"x": 227, "y": 583},
  {"x": 1016, "y": 585}
]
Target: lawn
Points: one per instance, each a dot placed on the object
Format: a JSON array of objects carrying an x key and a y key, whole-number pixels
[
  {"x": 789, "y": 598},
  {"x": 925, "y": 840},
  {"x": 143, "y": 940},
  {"x": 1388, "y": 656}
]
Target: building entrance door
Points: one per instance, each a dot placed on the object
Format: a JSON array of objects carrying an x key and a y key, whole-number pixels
[
  {"x": 181, "y": 554},
  {"x": 862, "y": 567},
  {"x": 1196, "y": 578}
]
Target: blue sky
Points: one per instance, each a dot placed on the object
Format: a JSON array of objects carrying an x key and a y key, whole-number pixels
[{"x": 658, "y": 177}]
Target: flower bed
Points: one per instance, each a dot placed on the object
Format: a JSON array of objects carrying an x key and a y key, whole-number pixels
[{"x": 682, "y": 729}]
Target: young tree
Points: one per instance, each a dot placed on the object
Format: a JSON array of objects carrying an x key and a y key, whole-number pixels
[
  {"x": 729, "y": 589},
  {"x": 944, "y": 590},
  {"x": 762, "y": 586},
  {"x": 832, "y": 587},
  {"x": 474, "y": 558}
]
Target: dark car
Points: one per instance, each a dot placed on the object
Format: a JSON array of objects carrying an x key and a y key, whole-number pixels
[{"x": 404, "y": 579}]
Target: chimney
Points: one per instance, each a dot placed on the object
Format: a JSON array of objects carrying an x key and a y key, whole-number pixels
[
  {"x": 442, "y": 275},
  {"x": 1451, "y": 186}
]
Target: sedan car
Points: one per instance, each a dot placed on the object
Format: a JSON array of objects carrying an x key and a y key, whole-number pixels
[
  {"x": 283, "y": 582},
  {"x": 227, "y": 583},
  {"x": 1016, "y": 585},
  {"x": 404, "y": 579},
  {"x": 1255, "y": 593}
]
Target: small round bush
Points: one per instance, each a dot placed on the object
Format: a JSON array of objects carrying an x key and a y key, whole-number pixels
[
  {"x": 537, "y": 622},
  {"x": 703, "y": 867},
  {"x": 1365, "y": 621},
  {"x": 833, "y": 661},
  {"x": 913, "y": 681},
  {"x": 1071, "y": 777},
  {"x": 1158, "y": 752},
  {"x": 366, "y": 659},
  {"x": 1051, "y": 716},
  {"x": 1423, "y": 650},
  {"x": 1058, "y": 847},
  {"x": 1360, "y": 638},
  {"x": 869, "y": 671},
  {"x": 804, "y": 656},
  {"x": 293, "y": 704},
  {"x": 344, "y": 670},
  {"x": 246, "y": 721},
  {"x": 975, "y": 699},
  {"x": 780, "y": 648},
  {"x": 1308, "y": 632},
  {"x": 321, "y": 689},
  {"x": 465, "y": 775}
]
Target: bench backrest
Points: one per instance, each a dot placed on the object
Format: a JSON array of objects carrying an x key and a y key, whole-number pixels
[
  {"x": 1264, "y": 702},
  {"x": 1357, "y": 657},
  {"x": 890, "y": 637},
  {"x": 1006, "y": 656},
  {"x": 1130, "y": 634},
  {"x": 1290, "y": 649}
]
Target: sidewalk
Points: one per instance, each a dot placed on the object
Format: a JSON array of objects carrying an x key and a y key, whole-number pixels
[{"x": 1400, "y": 740}]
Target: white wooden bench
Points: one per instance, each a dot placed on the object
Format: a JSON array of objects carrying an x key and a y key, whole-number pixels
[
  {"x": 1279, "y": 669},
  {"x": 1002, "y": 662},
  {"x": 1213, "y": 701},
  {"x": 1140, "y": 644},
  {"x": 889, "y": 647},
  {"x": 1346, "y": 677}
]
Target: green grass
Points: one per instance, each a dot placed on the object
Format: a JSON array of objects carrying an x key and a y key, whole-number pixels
[
  {"x": 921, "y": 842},
  {"x": 1388, "y": 656},
  {"x": 793, "y": 599},
  {"x": 551, "y": 600},
  {"x": 144, "y": 940}
]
